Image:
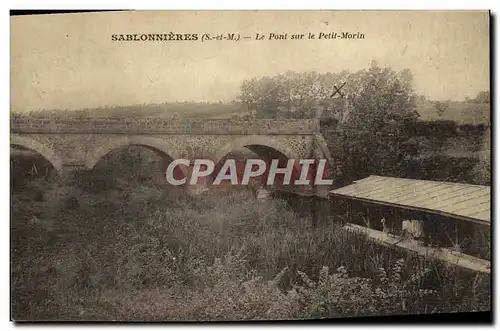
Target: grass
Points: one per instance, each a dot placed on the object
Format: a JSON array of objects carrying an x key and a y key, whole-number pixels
[{"x": 138, "y": 253}]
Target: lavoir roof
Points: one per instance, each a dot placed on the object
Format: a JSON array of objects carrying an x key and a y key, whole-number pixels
[{"x": 463, "y": 201}]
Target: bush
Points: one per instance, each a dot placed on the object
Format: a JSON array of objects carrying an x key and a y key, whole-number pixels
[
  {"x": 341, "y": 295},
  {"x": 481, "y": 173}
]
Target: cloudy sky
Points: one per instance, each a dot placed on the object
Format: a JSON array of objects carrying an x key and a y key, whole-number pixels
[{"x": 69, "y": 61}]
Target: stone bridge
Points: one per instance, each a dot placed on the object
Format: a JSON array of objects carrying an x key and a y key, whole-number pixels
[{"x": 79, "y": 143}]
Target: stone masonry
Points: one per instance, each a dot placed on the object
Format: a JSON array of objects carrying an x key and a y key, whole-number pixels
[{"x": 70, "y": 143}]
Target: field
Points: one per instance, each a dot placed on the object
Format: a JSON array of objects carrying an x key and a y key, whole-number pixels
[{"x": 458, "y": 111}]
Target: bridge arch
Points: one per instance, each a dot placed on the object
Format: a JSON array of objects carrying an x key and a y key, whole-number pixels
[
  {"x": 255, "y": 140},
  {"x": 38, "y": 147},
  {"x": 267, "y": 148},
  {"x": 158, "y": 145}
]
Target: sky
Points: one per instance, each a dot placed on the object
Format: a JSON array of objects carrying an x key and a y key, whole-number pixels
[{"x": 69, "y": 61}]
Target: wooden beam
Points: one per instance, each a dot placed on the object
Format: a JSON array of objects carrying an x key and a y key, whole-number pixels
[
  {"x": 425, "y": 210},
  {"x": 443, "y": 254}
]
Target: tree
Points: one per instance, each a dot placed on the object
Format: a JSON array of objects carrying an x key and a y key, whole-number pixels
[
  {"x": 290, "y": 95},
  {"x": 441, "y": 107},
  {"x": 376, "y": 137},
  {"x": 381, "y": 103},
  {"x": 482, "y": 97}
]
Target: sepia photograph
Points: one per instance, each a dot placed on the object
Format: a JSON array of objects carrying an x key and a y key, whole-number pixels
[{"x": 257, "y": 165}]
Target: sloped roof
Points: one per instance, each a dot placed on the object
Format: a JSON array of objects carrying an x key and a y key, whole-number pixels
[{"x": 464, "y": 201}]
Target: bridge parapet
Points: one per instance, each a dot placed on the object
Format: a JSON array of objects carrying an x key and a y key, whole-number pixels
[{"x": 31, "y": 124}]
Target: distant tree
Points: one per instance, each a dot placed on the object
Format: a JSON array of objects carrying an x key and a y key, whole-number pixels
[
  {"x": 441, "y": 107},
  {"x": 290, "y": 95},
  {"x": 482, "y": 97}
]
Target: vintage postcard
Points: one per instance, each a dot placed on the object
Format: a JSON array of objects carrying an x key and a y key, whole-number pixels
[{"x": 250, "y": 165}]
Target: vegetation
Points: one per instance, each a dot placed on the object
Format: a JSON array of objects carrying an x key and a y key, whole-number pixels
[
  {"x": 441, "y": 107},
  {"x": 382, "y": 129},
  {"x": 481, "y": 172},
  {"x": 137, "y": 254},
  {"x": 116, "y": 245}
]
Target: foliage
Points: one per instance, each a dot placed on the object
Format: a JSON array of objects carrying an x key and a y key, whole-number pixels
[
  {"x": 440, "y": 129},
  {"x": 376, "y": 139},
  {"x": 482, "y": 97},
  {"x": 441, "y": 167},
  {"x": 381, "y": 133},
  {"x": 481, "y": 172},
  {"x": 133, "y": 254},
  {"x": 291, "y": 94},
  {"x": 441, "y": 107},
  {"x": 342, "y": 295},
  {"x": 380, "y": 103}
]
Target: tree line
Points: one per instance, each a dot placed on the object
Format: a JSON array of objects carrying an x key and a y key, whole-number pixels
[{"x": 376, "y": 113}]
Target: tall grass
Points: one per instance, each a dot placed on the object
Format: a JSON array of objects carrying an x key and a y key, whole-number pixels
[{"x": 138, "y": 254}]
